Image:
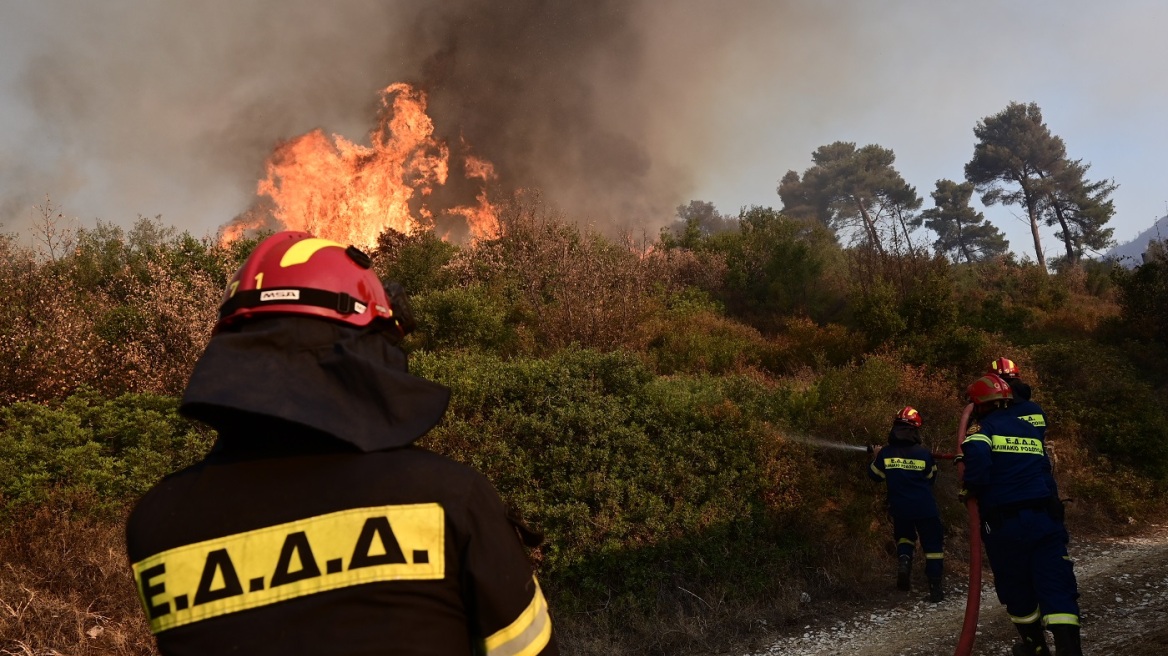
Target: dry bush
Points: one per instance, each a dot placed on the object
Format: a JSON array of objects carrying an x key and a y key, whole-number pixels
[
  {"x": 66, "y": 588},
  {"x": 46, "y": 338},
  {"x": 801, "y": 343},
  {"x": 570, "y": 285},
  {"x": 114, "y": 314}
]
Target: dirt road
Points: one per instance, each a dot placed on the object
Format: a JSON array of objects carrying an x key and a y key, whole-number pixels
[{"x": 1124, "y": 587}]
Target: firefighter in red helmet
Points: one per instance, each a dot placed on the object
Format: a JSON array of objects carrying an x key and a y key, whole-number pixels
[
  {"x": 1007, "y": 470},
  {"x": 909, "y": 470},
  {"x": 314, "y": 526},
  {"x": 1005, "y": 369}
]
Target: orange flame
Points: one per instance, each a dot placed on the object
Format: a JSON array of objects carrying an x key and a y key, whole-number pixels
[{"x": 350, "y": 193}]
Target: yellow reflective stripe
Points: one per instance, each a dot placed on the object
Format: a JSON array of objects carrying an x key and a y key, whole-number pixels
[
  {"x": 978, "y": 437},
  {"x": 934, "y": 556},
  {"x": 1035, "y": 419},
  {"x": 904, "y": 463},
  {"x": 1027, "y": 445},
  {"x": 260, "y": 567},
  {"x": 528, "y": 634},
  {"x": 1061, "y": 618},
  {"x": 303, "y": 250},
  {"x": 877, "y": 470},
  {"x": 932, "y": 472},
  {"x": 1028, "y": 619},
  {"x": 906, "y": 541}
]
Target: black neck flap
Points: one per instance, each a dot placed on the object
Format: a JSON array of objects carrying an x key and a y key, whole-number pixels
[{"x": 346, "y": 382}]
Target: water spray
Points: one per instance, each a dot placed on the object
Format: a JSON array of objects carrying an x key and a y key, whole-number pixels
[
  {"x": 822, "y": 443},
  {"x": 841, "y": 446}
]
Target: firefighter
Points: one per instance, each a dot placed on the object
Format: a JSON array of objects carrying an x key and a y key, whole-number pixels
[
  {"x": 909, "y": 470},
  {"x": 1007, "y": 470},
  {"x": 1026, "y": 409},
  {"x": 314, "y": 526},
  {"x": 1005, "y": 369}
]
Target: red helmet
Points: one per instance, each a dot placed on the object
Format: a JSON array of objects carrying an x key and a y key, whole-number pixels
[
  {"x": 989, "y": 388},
  {"x": 909, "y": 415},
  {"x": 294, "y": 273},
  {"x": 1005, "y": 368}
]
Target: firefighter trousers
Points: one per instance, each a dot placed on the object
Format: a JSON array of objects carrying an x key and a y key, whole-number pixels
[
  {"x": 932, "y": 537},
  {"x": 1033, "y": 575}
]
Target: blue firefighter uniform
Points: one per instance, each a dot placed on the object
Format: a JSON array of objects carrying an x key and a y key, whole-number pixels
[
  {"x": 910, "y": 472},
  {"x": 1007, "y": 469}
]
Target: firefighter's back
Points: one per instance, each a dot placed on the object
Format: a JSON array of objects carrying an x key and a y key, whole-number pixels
[{"x": 324, "y": 550}]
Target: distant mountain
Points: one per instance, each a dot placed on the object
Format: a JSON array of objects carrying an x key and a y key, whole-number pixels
[{"x": 1131, "y": 253}]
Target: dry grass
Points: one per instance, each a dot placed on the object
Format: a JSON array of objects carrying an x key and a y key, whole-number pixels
[{"x": 66, "y": 588}]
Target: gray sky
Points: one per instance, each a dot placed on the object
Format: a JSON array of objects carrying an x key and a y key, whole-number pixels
[{"x": 123, "y": 108}]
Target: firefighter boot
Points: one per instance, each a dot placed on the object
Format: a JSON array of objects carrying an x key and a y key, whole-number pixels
[
  {"x": 936, "y": 593},
  {"x": 1066, "y": 640},
  {"x": 904, "y": 573},
  {"x": 1033, "y": 641}
]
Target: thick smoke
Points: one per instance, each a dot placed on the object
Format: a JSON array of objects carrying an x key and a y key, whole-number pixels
[
  {"x": 618, "y": 111},
  {"x": 173, "y": 109},
  {"x": 551, "y": 93}
]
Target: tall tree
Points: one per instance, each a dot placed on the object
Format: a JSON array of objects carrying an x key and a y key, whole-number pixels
[
  {"x": 1018, "y": 161},
  {"x": 1080, "y": 208},
  {"x": 854, "y": 189},
  {"x": 962, "y": 231},
  {"x": 699, "y": 219}
]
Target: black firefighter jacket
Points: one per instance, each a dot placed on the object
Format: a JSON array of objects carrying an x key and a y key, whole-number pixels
[
  {"x": 315, "y": 527},
  {"x": 330, "y": 551}
]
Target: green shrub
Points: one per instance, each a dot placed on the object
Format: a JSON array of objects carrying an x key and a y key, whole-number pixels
[
  {"x": 418, "y": 261},
  {"x": 98, "y": 453},
  {"x": 462, "y": 317},
  {"x": 609, "y": 459},
  {"x": 1106, "y": 398},
  {"x": 1143, "y": 296},
  {"x": 692, "y": 338}
]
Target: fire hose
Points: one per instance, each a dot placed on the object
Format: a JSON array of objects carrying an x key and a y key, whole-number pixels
[{"x": 973, "y": 599}]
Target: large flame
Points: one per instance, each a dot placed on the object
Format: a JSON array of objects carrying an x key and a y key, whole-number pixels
[{"x": 350, "y": 193}]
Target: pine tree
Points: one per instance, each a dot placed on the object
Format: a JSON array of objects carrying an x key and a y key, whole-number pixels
[{"x": 962, "y": 232}]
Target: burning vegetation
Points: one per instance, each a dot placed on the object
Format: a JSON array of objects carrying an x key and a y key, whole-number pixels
[{"x": 405, "y": 179}]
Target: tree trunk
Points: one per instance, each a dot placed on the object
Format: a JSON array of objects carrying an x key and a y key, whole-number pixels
[
  {"x": 1032, "y": 212},
  {"x": 961, "y": 242},
  {"x": 869, "y": 226},
  {"x": 1067, "y": 241},
  {"x": 904, "y": 228}
]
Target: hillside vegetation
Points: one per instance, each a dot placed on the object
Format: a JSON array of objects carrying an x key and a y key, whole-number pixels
[{"x": 643, "y": 403}]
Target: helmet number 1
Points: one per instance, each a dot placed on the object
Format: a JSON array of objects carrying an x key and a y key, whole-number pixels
[{"x": 259, "y": 278}]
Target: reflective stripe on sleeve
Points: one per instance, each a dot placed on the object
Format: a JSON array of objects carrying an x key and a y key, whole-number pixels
[
  {"x": 1028, "y": 619},
  {"x": 528, "y": 634},
  {"x": 876, "y": 470},
  {"x": 934, "y": 556},
  {"x": 978, "y": 437},
  {"x": 1061, "y": 618}
]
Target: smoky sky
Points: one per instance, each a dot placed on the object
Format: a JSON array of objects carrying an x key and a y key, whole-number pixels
[
  {"x": 616, "y": 111},
  {"x": 173, "y": 109}
]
